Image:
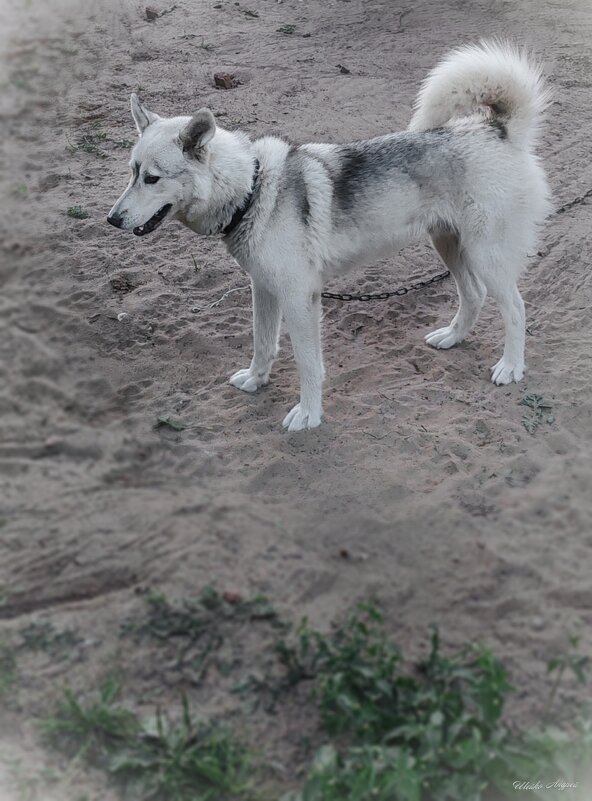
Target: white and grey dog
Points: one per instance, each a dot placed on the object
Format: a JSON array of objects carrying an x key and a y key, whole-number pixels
[{"x": 464, "y": 173}]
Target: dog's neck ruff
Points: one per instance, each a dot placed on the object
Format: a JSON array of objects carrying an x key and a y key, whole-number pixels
[{"x": 241, "y": 210}]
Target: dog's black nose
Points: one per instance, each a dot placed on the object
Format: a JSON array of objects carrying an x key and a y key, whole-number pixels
[{"x": 115, "y": 219}]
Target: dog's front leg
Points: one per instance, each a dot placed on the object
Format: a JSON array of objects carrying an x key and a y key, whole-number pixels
[
  {"x": 266, "y": 326},
  {"x": 302, "y": 311}
]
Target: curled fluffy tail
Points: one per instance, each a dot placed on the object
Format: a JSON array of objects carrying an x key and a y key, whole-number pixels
[{"x": 494, "y": 78}]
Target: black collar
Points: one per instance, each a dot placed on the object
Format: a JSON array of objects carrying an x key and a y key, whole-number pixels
[{"x": 241, "y": 210}]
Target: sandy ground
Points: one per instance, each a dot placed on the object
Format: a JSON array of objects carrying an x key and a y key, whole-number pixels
[{"x": 422, "y": 486}]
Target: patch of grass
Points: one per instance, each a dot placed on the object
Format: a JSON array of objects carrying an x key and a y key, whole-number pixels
[
  {"x": 158, "y": 759},
  {"x": 168, "y": 422},
  {"x": 42, "y": 636},
  {"x": 7, "y": 669},
  {"x": 93, "y": 731},
  {"x": 539, "y": 407},
  {"x": 287, "y": 29},
  {"x": 299, "y": 659},
  {"x": 165, "y": 619},
  {"x": 20, "y": 190},
  {"x": 198, "y": 634},
  {"x": 89, "y": 143},
  {"x": 248, "y": 12},
  {"x": 77, "y": 212},
  {"x": 94, "y": 141},
  {"x": 571, "y": 660},
  {"x": 194, "y": 618},
  {"x": 202, "y": 640},
  {"x": 184, "y": 762},
  {"x": 432, "y": 733},
  {"x": 366, "y": 773}
]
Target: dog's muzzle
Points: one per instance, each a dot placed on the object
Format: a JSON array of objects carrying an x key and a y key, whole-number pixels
[{"x": 154, "y": 221}]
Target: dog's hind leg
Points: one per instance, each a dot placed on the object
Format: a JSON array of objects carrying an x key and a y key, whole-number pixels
[
  {"x": 266, "y": 327},
  {"x": 302, "y": 312},
  {"x": 511, "y": 366},
  {"x": 471, "y": 292}
]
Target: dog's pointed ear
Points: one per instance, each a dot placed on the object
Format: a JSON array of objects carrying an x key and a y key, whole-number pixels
[
  {"x": 199, "y": 131},
  {"x": 142, "y": 117}
]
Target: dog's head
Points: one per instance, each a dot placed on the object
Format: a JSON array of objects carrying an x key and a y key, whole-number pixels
[{"x": 169, "y": 169}]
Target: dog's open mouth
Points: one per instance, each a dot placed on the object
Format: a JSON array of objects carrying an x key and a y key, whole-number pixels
[{"x": 154, "y": 221}]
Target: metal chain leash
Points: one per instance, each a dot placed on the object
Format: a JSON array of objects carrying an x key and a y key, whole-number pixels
[
  {"x": 575, "y": 202},
  {"x": 403, "y": 290}
]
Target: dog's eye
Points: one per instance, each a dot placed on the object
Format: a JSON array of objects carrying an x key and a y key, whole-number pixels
[{"x": 151, "y": 179}]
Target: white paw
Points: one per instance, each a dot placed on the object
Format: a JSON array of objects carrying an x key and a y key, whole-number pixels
[
  {"x": 505, "y": 372},
  {"x": 247, "y": 380},
  {"x": 299, "y": 419},
  {"x": 443, "y": 337}
]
